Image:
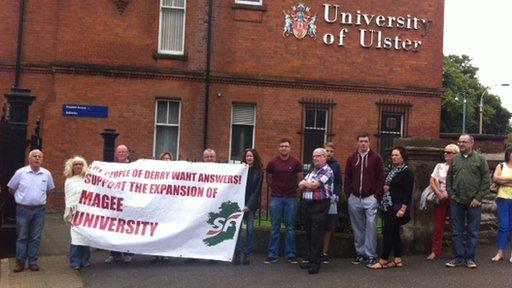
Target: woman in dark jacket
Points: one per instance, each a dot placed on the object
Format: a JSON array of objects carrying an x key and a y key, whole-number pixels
[
  {"x": 252, "y": 197},
  {"x": 396, "y": 208}
]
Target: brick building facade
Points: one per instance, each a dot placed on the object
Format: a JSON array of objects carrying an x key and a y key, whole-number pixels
[{"x": 369, "y": 65}]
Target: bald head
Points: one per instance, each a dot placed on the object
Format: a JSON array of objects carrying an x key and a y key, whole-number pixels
[
  {"x": 209, "y": 155},
  {"x": 122, "y": 154},
  {"x": 35, "y": 159}
]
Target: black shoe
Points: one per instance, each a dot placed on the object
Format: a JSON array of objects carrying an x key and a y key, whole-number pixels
[
  {"x": 237, "y": 259},
  {"x": 305, "y": 265},
  {"x": 247, "y": 260},
  {"x": 325, "y": 259},
  {"x": 314, "y": 270},
  {"x": 191, "y": 260},
  {"x": 358, "y": 260}
]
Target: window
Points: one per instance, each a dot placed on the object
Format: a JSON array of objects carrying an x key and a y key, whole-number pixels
[
  {"x": 242, "y": 129},
  {"x": 171, "y": 35},
  {"x": 315, "y": 132},
  {"x": 316, "y": 126},
  {"x": 393, "y": 122},
  {"x": 250, "y": 2},
  {"x": 167, "y": 127}
]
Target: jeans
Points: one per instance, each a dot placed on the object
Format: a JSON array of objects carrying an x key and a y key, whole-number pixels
[
  {"x": 460, "y": 214},
  {"x": 242, "y": 247},
  {"x": 29, "y": 226},
  {"x": 363, "y": 214},
  {"x": 504, "y": 222},
  {"x": 282, "y": 207},
  {"x": 79, "y": 255}
]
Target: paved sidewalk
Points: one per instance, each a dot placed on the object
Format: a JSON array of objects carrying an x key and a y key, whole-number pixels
[
  {"x": 53, "y": 261},
  {"x": 55, "y": 271}
]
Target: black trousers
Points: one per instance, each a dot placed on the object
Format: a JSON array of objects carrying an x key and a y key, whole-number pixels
[
  {"x": 391, "y": 235},
  {"x": 316, "y": 216},
  {"x": 119, "y": 254}
]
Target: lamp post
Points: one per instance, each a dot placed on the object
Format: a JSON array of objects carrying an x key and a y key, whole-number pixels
[
  {"x": 481, "y": 106},
  {"x": 464, "y": 101}
]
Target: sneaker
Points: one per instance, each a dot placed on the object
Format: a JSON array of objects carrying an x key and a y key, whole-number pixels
[
  {"x": 470, "y": 263},
  {"x": 293, "y": 260},
  {"x": 111, "y": 259},
  {"x": 325, "y": 259},
  {"x": 127, "y": 259},
  {"x": 371, "y": 260},
  {"x": 270, "y": 260},
  {"x": 358, "y": 260},
  {"x": 454, "y": 263}
]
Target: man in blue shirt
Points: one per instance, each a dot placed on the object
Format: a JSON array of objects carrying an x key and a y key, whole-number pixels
[{"x": 30, "y": 186}]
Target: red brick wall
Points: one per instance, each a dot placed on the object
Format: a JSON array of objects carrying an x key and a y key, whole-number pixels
[
  {"x": 258, "y": 47},
  {"x": 91, "y": 54}
]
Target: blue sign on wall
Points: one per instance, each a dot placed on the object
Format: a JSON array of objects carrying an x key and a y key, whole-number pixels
[{"x": 78, "y": 110}]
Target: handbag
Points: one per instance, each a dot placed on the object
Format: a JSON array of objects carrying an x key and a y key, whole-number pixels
[
  {"x": 428, "y": 195},
  {"x": 495, "y": 186}
]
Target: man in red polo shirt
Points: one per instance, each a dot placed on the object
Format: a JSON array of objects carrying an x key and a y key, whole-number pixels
[{"x": 283, "y": 174}]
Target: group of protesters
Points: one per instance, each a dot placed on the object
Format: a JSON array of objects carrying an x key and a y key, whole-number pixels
[{"x": 459, "y": 184}]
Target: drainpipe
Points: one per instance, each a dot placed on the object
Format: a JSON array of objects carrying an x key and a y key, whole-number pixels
[
  {"x": 207, "y": 76},
  {"x": 20, "y": 45}
]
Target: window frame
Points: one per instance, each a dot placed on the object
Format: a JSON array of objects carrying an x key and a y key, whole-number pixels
[
  {"x": 231, "y": 129},
  {"x": 171, "y": 52},
  {"x": 247, "y": 2},
  {"x": 325, "y": 128},
  {"x": 156, "y": 124}
]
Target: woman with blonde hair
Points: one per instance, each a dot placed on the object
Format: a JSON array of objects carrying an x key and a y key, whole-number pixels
[
  {"x": 441, "y": 210},
  {"x": 503, "y": 176},
  {"x": 74, "y": 171}
]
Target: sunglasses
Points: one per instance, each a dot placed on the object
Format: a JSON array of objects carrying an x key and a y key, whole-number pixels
[{"x": 448, "y": 152}]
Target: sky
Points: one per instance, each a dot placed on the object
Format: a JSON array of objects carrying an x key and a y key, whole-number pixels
[{"x": 481, "y": 30}]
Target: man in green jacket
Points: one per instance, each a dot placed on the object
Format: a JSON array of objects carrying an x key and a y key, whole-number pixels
[{"x": 467, "y": 183}]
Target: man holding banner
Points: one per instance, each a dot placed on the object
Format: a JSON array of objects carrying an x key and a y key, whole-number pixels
[
  {"x": 152, "y": 207},
  {"x": 122, "y": 155}
]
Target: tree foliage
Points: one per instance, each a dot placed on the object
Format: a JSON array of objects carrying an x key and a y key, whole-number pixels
[{"x": 459, "y": 80}]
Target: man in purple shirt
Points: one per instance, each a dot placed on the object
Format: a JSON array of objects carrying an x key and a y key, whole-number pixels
[{"x": 283, "y": 174}]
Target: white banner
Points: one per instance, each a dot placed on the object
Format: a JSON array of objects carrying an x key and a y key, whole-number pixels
[{"x": 175, "y": 208}]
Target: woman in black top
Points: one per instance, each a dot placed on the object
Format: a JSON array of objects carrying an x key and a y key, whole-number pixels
[
  {"x": 396, "y": 208},
  {"x": 252, "y": 197}
]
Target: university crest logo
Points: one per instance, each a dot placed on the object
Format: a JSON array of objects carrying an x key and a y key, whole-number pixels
[
  {"x": 223, "y": 223},
  {"x": 299, "y": 21}
]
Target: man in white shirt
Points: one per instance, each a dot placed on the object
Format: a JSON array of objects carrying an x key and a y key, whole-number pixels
[{"x": 30, "y": 186}]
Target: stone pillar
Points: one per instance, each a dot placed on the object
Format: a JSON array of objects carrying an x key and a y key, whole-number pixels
[
  {"x": 424, "y": 154},
  {"x": 109, "y": 144},
  {"x": 14, "y": 144}
]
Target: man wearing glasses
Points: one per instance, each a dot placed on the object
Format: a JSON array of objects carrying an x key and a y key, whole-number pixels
[{"x": 468, "y": 181}]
